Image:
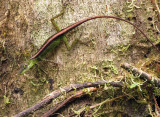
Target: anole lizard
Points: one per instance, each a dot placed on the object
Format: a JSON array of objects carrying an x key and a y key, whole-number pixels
[{"x": 54, "y": 41}]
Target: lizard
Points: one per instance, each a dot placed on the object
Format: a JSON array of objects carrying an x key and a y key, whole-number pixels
[
  {"x": 55, "y": 40},
  {"x": 30, "y": 63}
]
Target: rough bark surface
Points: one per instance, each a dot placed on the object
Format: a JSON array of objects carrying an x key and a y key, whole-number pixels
[{"x": 25, "y": 25}]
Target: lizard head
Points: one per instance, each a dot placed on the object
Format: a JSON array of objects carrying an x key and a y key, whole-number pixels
[{"x": 26, "y": 66}]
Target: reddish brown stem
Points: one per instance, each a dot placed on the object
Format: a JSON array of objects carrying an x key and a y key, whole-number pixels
[
  {"x": 156, "y": 104},
  {"x": 65, "y": 102}
]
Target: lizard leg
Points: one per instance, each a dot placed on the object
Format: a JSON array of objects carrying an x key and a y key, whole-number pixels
[
  {"x": 64, "y": 38},
  {"x": 54, "y": 22}
]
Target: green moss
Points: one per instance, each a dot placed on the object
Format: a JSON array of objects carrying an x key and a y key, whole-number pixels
[
  {"x": 6, "y": 100},
  {"x": 157, "y": 91}
]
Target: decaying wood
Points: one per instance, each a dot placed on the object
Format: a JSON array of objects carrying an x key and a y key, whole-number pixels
[
  {"x": 68, "y": 100},
  {"x": 66, "y": 89},
  {"x": 141, "y": 74}
]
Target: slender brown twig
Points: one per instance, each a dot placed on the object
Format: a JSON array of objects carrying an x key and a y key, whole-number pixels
[
  {"x": 141, "y": 74},
  {"x": 79, "y": 94},
  {"x": 108, "y": 100},
  {"x": 68, "y": 100},
  {"x": 66, "y": 89},
  {"x": 156, "y": 104}
]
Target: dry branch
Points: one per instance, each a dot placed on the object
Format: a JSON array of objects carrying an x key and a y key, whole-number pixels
[
  {"x": 141, "y": 74},
  {"x": 68, "y": 100},
  {"x": 79, "y": 94},
  {"x": 66, "y": 89}
]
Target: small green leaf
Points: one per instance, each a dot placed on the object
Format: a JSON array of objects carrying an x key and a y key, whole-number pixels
[
  {"x": 133, "y": 85},
  {"x": 6, "y": 100}
]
